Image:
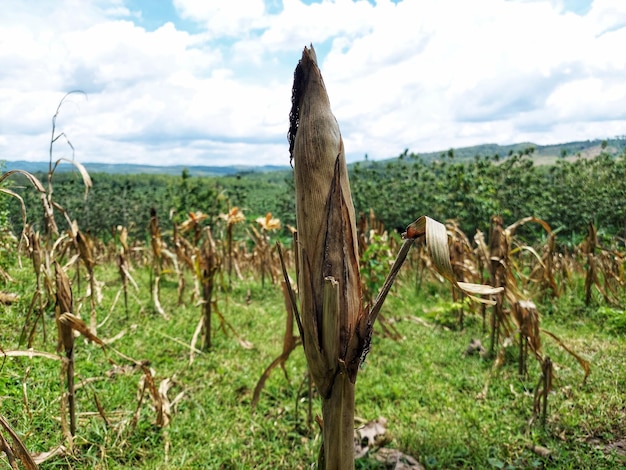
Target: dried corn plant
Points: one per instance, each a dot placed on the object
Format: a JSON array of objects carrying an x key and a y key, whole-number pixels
[
  {"x": 543, "y": 389},
  {"x": 85, "y": 250},
  {"x": 64, "y": 305},
  {"x": 37, "y": 306},
  {"x": 200, "y": 252},
  {"x": 185, "y": 253},
  {"x": 464, "y": 265},
  {"x": 52, "y": 231},
  {"x": 263, "y": 248},
  {"x": 232, "y": 218},
  {"x": 186, "y": 239},
  {"x": 209, "y": 264},
  {"x": 156, "y": 243},
  {"x": 514, "y": 312},
  {"x": 160, "y": 402},
  {"x": 498, "y": 258},
  {"x": 123, "y": 264},
  {"x": 526, "y": 318},
  {"x": 70, "y": 325},
  {"x": 601, "y": 263},
  {"x": 544, "y": 272},
  {"x": 335, "y": 326}
]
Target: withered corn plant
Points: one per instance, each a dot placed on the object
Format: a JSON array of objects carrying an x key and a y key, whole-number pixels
[
  {"x": 156, "y": 243},
  {"x": 463, "y": 264},
  {"x": 498, "y": 257},
  {"x": 263, "y": 248},
  {"x": 63, "y": 306},
  {"x": 335, "y": 326},
  {"x": 600, "y": 264},
  {"x": 123, "y": 264},
  {"x": 543, "y": 389},
  {"x": 521, "y": 316},
  {"x": 38, "y": 301},
  {"x": 233, "y": 217},
  {"x": 86, "y": 255},
  {"x": 209, "y": 264}
]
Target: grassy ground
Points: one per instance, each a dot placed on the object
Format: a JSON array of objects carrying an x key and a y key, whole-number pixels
[{"x": 436, "y": 400}]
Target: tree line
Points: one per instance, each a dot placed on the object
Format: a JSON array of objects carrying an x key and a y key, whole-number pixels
[{"x": 568, "y": 195}]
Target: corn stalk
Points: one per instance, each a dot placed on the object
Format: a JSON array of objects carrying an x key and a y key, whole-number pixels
[
  {"x": 208, "y": 265},
  {"x": 335, "y": 326},
  {"x": 85, "y": 250},
  {"x": 64, "y": 305},
  {"x": 157, "y": 259}
]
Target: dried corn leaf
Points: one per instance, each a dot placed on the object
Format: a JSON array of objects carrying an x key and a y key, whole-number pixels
[
  {"x": 64, "y": 304},
  {"x": 80, "y": 326},
  {"x": 7, "y": 298},
  {"x": 81, "y": 169},
  {"x": 582, "y": 361},
  {"x": 18, "y": 446},
  {"x": 41, "y": 457},
  {"x": 30, "y": 353},
  {"x": 438, "y": 249},
  {"x": 22, "y": 208},
  {"x": 33, "y": 179}
]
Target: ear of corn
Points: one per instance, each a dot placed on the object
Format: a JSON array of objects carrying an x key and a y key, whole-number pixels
[{"x": 328, "y": 279}]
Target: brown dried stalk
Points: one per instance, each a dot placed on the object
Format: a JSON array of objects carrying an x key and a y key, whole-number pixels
[
  {"x": 209, "y": 264},
  {"x": 85, "y": 250},
  {"x": 336, "y": 328},
  {"x": 157, "y": 245},
  {"x": 63, "y": 306}
]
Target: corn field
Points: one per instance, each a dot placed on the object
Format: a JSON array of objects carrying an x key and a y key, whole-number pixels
[{"x": 333, "y": 270}]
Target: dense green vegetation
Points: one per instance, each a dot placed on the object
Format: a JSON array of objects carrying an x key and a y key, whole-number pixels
[
  {"x": 127, "y": 199},
  {"x": 568, "y": 194}
]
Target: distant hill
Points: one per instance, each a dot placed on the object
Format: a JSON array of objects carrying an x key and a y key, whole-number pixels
[
  {"x": 542, "y": 155},
  {"x": 126, "y": 168}
]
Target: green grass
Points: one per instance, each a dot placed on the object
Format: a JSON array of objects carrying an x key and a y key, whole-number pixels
[{"x": 422, "y": 384}]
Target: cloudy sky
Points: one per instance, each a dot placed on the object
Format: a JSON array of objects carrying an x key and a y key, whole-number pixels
[{"x": 208, "y": 82}]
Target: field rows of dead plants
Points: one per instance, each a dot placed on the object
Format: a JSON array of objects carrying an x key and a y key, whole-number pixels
[{"x": 183, "y": 349}]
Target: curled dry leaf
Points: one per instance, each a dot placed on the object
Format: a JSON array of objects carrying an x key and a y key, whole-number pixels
[
  {"x": 80, "y": 326},
  {"x": 393, "y": 459},
  {"x": 7, "y": 298},
  {"x": 540, "y": 450},
  {"x": 81, "y": 169},
  {"x": 41, "y": 457},
  {"x": 437, "y": 243},
  {"x": 29, "y": 353}
]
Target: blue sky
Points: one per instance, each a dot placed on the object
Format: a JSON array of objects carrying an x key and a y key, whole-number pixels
[{"x": 202, "y": 82}]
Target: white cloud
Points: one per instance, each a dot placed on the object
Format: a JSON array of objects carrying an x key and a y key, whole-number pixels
[
  {"x": 224, "y": 18},
  {"x": 424, "y": 75}
]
